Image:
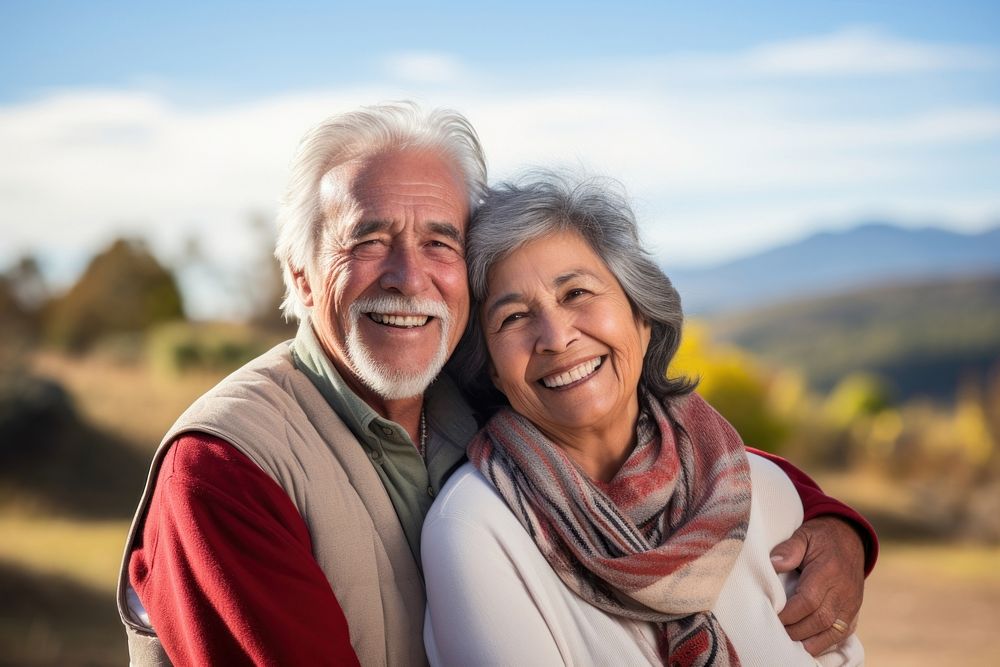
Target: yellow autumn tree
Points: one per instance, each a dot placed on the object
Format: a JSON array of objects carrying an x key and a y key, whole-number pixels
[{"x": 734, "y": 384}]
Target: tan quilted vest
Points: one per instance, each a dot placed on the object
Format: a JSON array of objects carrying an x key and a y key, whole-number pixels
[{"x": 274, "y": 415}]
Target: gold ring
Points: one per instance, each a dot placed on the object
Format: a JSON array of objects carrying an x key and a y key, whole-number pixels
[{"x": 839, "y": 626}]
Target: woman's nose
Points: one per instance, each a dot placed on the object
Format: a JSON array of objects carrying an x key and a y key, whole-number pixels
[{"x": 556, "y": 332}]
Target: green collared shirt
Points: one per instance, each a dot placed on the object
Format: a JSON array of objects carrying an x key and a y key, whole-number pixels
[{"x": 410, "y": 483}]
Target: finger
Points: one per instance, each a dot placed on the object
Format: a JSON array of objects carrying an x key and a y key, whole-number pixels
[
  {"x": 788, "y": 555},
  {"x": 807, "y": 599},
  {"x": 817, "y": 620},
  {"x": 830, "y": 637},
  {"x": 823, "y": 641},
  {"x": 797, "y": 608}
]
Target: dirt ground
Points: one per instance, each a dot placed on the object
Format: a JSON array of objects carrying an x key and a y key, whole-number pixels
[{"x": 933, "y": 606}]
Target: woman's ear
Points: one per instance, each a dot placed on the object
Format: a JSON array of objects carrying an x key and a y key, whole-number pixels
[
  {"x": 494, "y": 378},
  {"x": 303, "y": 287},
  {"x": 645, "y": 328}
]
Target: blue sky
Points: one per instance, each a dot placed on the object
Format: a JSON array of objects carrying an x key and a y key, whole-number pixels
[{"x": 733, "y": 125}]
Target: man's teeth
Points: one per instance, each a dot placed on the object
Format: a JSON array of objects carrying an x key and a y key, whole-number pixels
[
  {"x": 405, "y": 321},
  {"x": 573, "y": 374}
]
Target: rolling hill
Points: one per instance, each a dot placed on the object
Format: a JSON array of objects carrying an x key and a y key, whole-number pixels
[
  {"x": 923, "y": 337},
  {"x": 833, "y": 262}
]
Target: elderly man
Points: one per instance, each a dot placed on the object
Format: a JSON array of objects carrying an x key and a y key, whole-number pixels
[{"x": 281, "y": 521}]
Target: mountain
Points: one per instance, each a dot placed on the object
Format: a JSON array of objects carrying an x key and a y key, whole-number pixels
[
  {"x": 923, "y": 338},
  {"x": 835, "y": 261}
]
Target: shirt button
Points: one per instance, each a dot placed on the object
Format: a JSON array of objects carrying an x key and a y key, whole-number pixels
[
  {"x": 386, "y": 430},
  {"x": 375, "y": 454},
  {"x": 430, "y": 491}
]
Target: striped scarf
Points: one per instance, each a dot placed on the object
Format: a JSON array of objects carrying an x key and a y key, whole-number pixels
[{"x": 657, "y": 542}]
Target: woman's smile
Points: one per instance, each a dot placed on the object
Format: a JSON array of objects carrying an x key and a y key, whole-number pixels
[{"x": 576, "y": 374}]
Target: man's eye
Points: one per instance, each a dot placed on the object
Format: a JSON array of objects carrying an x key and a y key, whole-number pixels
[
  {"x": 368, "y": 248},
  {"x": 443, "y": 251},
  {"x": 576, "y": 292},
  {"x": 441, "y": 245}
]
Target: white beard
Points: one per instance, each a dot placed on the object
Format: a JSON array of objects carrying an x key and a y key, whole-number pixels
[{"x": 388, "y": 382}]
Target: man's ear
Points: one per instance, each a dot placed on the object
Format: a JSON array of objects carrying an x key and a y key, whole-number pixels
[{"x": 303, "y": 287}]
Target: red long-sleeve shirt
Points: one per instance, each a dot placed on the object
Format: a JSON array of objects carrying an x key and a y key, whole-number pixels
[
  {"x": 225, "y": 567},
  {"x": 226, "y": 572}
]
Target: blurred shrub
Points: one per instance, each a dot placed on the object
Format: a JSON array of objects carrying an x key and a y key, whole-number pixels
[
  {"x": 31, "y": 410},
  {"x": 53, "y": 460},
  {"x": 123, "y": 290},
  {"x": 735, "y": 386},
  {"x": 948, "y": 456},
  {"x": 218, "y": 347},
  {"x": 856, "y": 396}
]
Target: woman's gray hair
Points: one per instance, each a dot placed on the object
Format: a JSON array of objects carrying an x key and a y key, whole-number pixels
[
  {"x": 370, "y": 131},
  {"x": 541, "y": 203}
]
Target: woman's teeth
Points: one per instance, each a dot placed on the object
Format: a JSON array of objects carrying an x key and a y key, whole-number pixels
[{"x": 573, "y": 374}]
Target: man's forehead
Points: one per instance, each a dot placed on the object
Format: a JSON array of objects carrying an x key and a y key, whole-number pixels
[
  {"x": 358, "y": 206},
  {"x": 412, "y": 177}
]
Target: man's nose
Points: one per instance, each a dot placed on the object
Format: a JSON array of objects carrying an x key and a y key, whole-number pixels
[
  {"x": 405, "y": 270},
  {"x": 556, "y": 332}
]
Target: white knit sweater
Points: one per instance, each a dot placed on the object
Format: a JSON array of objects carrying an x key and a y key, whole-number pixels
[{"x": 492, "y": 599}]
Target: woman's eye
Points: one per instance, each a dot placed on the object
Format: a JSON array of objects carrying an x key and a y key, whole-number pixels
[
  {"x": 574, "y": 293},
  {"x": 510, "y": 319}
]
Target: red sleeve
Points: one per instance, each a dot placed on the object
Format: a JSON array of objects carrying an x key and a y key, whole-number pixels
[
  {"x": 816, "y": 503},
  {"x": 225, "y": 568}
]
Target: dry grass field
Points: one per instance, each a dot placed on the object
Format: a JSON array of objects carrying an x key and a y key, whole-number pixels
[
  {"x": 925, "y": 604},
  {"x": 933, "y": 605}
]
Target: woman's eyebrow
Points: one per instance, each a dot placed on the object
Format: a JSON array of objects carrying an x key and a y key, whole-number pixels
[
  {"x": 506, "y": 299},
  {"x": 569, "y": 276},
  {"x": 564, "y": 278}
]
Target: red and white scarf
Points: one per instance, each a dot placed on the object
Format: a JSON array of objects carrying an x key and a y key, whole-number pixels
[{"x": 658, "y": 541}]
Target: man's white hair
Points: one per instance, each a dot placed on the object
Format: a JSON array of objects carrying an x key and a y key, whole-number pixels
[{"x": 370, "y": 131}]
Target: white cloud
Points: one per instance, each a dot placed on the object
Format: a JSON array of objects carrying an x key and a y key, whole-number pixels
[
  {"x": 424, "y": 67},
  {"x": 81, "y": 166},
  {"x": 860, "y": 51}
]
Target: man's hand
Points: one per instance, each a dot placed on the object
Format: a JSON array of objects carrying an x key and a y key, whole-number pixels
[{"x": 831, "y": 558}]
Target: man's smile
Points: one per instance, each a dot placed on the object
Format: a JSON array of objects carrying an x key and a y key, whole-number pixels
[{"x": 400, "y": 321}]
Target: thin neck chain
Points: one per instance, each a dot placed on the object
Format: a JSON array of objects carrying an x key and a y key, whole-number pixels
[{"x": 423, "y": 434}]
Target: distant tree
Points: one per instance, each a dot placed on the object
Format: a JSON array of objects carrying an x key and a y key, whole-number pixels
[
  {"x": 123, "y": 290},
  {"x": 265, "y": 280},
  {"x": 14, "y": 321},
  {"x": 731, "y": 381},
  {"x": 28, "y": 283},
  {"x": 23, "y": 297}
]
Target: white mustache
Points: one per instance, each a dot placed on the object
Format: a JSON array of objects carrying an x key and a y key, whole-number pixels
[{"x": 399, "y": 305}]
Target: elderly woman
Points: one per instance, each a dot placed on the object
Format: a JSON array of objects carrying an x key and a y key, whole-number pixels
[{"x": 608, "y": 515}]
